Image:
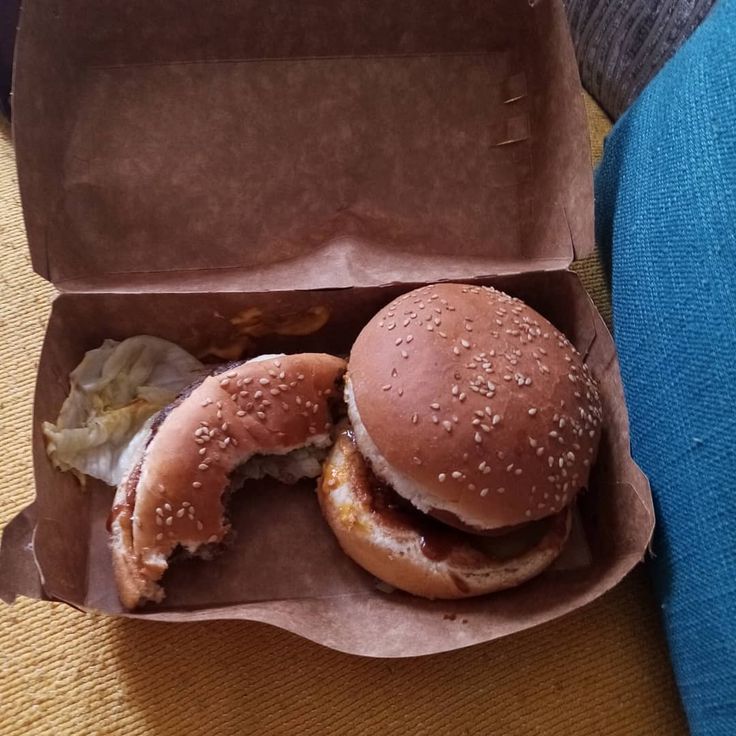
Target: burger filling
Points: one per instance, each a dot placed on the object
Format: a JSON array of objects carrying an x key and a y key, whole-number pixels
[{"x": 438, "y": 540}]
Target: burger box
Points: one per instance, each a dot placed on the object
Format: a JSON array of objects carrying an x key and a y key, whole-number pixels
[{"x": 248, "y": 177}]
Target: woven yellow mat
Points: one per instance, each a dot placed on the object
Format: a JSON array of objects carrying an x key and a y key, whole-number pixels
[{"x": 601, "y": 670}]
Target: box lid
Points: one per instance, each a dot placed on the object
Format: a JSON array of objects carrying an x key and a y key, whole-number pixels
[{"x": 298, "y": 145}]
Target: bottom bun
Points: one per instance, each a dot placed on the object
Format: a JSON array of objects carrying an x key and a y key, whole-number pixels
[{"x": 414, "y": 552}]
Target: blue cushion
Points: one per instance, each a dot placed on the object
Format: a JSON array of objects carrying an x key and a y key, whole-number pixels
[{"x": 666, "y": 224}]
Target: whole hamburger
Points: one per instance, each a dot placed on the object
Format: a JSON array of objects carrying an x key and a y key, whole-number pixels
[{"x": 473, "y": 425}]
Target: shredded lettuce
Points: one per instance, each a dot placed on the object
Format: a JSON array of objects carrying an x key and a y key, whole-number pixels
[
  {"x": 115, "y": 393},
  {"x": 304, "y": 462}
]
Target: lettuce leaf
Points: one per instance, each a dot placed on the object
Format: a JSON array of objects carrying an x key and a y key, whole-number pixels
[{"x": 115, "y": 393}]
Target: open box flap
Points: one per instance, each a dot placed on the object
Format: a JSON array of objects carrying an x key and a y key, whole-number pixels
[{"x": 164, "y": 145}]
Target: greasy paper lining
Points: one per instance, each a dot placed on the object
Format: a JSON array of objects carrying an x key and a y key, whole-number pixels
[{"x": 285, "y": 566}]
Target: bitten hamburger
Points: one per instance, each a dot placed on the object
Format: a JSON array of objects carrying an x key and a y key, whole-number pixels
[
  {"x": 473, "y": 424},
  {"x": 268, "y": 416}
]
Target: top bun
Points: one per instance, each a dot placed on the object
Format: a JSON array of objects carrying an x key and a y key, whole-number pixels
[
  {"x": 173, "y": 496},
  {"x": 473, "y": 406}
]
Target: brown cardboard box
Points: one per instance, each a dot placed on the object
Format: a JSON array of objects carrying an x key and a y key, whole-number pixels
[{"x": 301, "y": 164}]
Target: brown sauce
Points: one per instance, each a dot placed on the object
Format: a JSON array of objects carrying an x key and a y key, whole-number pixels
[
  {"x": 438, "y": 539},
  {"x": 129, "y": 502}
]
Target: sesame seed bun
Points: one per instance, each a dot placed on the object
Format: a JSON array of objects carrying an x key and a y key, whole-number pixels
[
  {"x": 173, "y": 495},
  {"x": 473, "y": 406},
  {"x": 417, "y": 554}
]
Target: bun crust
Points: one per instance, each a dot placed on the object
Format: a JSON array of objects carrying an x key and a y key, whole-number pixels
[
  {"x": 174, "y": 493},
  {"x": 470, "y": 403},
  {"x": 394, "y": 547}
]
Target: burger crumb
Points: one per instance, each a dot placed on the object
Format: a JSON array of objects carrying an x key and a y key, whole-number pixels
[{"x": 449, "y": 616}]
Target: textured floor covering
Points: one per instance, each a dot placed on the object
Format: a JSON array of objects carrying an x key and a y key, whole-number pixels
[{"x": 601, "y": 670}]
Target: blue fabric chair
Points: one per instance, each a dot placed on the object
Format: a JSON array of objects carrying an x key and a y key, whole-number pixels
[{"x": 666, "y": 223}]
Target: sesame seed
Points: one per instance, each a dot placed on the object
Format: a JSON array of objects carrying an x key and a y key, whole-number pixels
[
  {"x": 180, "y": 513},
  {"x": 240, "y": 413},
  {"x": 496, "y": 419},
  {"x": 456, "y": 474},
  {"x": 169, "y": 520},
  {"x": 465, "y": 344},
  {"x": 455, "y": 350},
  {"x": 478, "y": 438},
  {"x": 518, "y": 471},
  {"x": 159, "y": 536},
  {"x": 404, "y": 354},
  {"x": 447, "y": 425},
  {"x": 540, "y": 451},
  {"x": 435, "y": 419},
  {"x": 260, "y": 415},
  {"x": 532, "y": 442},
  {"x": 224, "y": 382},
  {"x": 264, "y": 381},
  {"x": 441, "y": 477},
  {"x": 386, "y": 387},
  {"x": 501, "y": 490},
  {"x": 414, "y": 418}
]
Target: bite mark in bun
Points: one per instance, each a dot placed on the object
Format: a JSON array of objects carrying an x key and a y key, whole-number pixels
[{"x": 173, "y": 496}]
